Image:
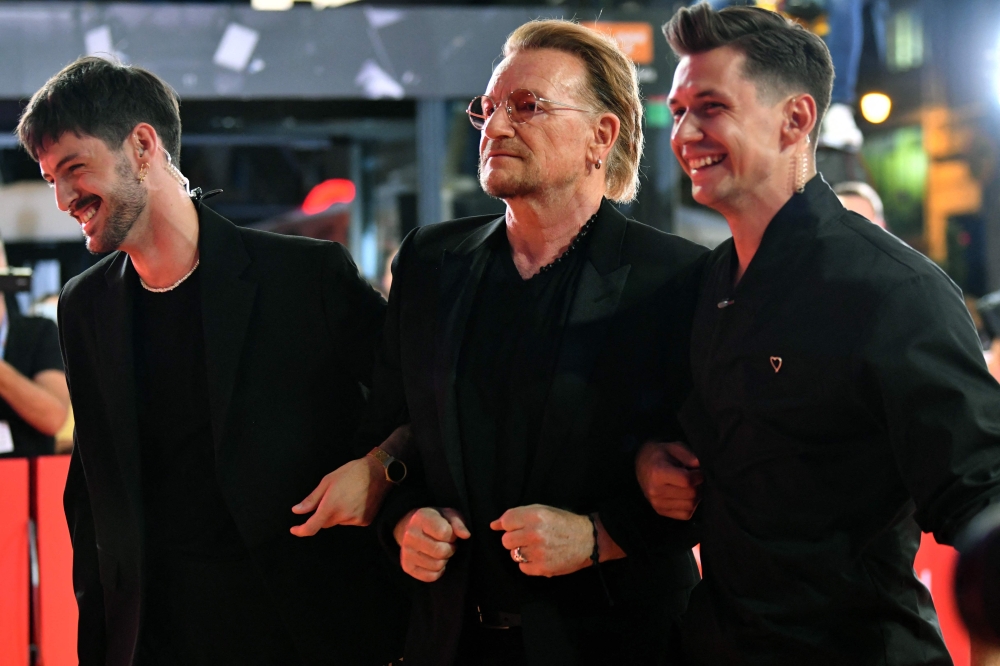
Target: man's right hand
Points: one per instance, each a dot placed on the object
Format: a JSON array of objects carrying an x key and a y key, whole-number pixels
[
  {"x": 426, "y": 539},
  {"x": 352, "y": 494},
  {"x": 349, "y": 495},
  {"x": 669, "y": 474}
]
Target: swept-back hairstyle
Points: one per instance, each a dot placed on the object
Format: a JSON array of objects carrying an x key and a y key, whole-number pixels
[
  {"x": 782, "y": 57},
  {"x": 613, "y": 86},
  {"x": 101, "y": 98}
]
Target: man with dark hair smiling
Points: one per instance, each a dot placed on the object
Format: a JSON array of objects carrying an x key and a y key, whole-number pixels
[
  {"x": 216, "y": 374},
  {"x": 841, "y": 401}
]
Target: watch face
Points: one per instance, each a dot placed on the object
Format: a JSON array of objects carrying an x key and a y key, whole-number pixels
[{"x": 395, "y": 471}]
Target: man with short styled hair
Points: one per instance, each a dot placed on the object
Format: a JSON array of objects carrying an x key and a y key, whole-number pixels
[
  {"x": 216, "y": 374},
  {"x": 841, "y": 402}
]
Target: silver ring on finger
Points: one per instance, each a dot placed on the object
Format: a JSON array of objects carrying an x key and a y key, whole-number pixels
[{"x": 518, "y": 556}]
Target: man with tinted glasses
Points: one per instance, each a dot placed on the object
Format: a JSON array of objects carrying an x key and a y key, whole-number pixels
[{"x": 532, "y": 353}]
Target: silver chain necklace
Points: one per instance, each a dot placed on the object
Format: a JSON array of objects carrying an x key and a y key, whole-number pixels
[{"x": 160, "y": 290}]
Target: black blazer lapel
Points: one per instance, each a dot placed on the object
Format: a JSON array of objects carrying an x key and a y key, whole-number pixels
[
  {"x": 568, "y": 410},
  {"x": 114, "y": 315},
  {"x": 227, "y": 301},
  {"x": 460, "y": 273}
]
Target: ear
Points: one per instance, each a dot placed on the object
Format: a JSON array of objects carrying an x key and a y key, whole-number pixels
[
  {"x": 142, "y": 142},
  {"x": 800, "y": 119},
  {"x": 605, "y": 134}
]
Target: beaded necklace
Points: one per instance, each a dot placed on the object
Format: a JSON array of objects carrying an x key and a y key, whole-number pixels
[{"x": 584, "y": 230}]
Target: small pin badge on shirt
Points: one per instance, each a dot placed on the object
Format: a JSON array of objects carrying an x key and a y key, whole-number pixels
[
  {"x": 726, "y": 303},
  {"x": 776, "y": 363}
]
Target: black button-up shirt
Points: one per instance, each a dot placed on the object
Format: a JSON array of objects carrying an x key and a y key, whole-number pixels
[{"x": 841, "y": 404}]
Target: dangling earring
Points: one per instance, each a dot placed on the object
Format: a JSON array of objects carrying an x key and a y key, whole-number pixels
[
  {"x": 143, "y": 171},
  {"x": 802, "y": 168},
  {"x": 598, "y": 164}
]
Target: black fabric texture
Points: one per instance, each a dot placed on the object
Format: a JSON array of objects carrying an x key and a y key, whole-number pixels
[
  {"x": 619, "y": 373},
  {"x": 289, "y": 331},
  {"x": 504, "y": 376},
  {"x": 185, "y": 514},
  {"x": 204, "y": 600},
  {"x": 841, "y": 406}
]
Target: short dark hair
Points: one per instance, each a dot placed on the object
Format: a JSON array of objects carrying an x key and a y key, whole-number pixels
[
  {"x": 104, "y": 99},
  {"x": 781, "y": 55}
]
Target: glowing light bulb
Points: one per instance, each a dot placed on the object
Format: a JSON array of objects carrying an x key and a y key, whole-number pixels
[{"x": 875, "y": 107}]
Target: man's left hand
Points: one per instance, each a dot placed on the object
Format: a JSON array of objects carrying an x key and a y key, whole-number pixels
[{"x": 555, "y": 542}]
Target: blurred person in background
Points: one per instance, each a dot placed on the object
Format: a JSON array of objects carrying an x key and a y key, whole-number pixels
[
  {"x": 841, "y": 403},
  {"x": 862, "y": 199},
  {"x": 533, "y": 353},
  {"x": 47, "y": 306},
  {"x": 34, "y": 399},
  {"x": 217, "y": 373}
]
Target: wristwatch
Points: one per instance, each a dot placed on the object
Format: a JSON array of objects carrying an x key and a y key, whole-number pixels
[{"x": 395, "y": 469}]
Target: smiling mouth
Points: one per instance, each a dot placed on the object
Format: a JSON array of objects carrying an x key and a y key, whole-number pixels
[
  {"x": 705, "y": 162},
  {"x": 86, "y": 213}
]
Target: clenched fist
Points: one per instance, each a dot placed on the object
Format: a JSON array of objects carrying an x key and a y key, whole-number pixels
[
  {"x": 669, "y": 475},
  {"x": 426, "y": 539}
]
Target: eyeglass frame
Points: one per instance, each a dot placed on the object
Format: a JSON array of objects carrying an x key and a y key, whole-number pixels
[{"x": 506, "y": 106}]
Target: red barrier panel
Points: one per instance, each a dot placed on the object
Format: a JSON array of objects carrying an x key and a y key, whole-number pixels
[
  {"x": 935, "y": 566},
  {"x": 57, "y": 605},
  {"x": 14, "y": 561}
]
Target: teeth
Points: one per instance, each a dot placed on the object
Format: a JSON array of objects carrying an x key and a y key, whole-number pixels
[
  {"x": 703, "y": 162},
  {"x": 86, "y": 217}
]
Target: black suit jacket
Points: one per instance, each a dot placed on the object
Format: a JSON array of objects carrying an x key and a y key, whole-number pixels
[
  {"x": 621, "y": 374},
  {"x": 290, "y": 330}
]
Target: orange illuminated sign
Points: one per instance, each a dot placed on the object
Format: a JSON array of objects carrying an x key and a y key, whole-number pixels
[{"x": 635, "y": 39}]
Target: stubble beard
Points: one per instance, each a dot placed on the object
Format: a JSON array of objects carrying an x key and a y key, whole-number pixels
[
  {"x": 125, "y": 203},
  {"x": 500, "y": 185}
]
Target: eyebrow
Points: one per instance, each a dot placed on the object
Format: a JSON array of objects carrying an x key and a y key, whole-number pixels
[
  {"x": 68, "y": 158},
  {"x": 62, "y": 162},
  {"x": 711, "y": 92}
]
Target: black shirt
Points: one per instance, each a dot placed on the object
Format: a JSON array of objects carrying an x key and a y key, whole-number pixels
[
  {"x": 504, "y": 374},
  {"x": 204, "y": 602},
  {"x": 32, "y": 347},
  {"x": 841, "y": 404},
  {"x": 185, "y": 513}
]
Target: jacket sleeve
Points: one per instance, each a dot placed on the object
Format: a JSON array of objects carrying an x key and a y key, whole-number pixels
[
  {"x": 387, "y": 409},
  {"x": 941, "y": 406},
  {"x": 627, "y": 516},
  {"x": 91, "y": 643},
  {"x": 91, "y": 640},
  {"x": 354, "y": 313}
]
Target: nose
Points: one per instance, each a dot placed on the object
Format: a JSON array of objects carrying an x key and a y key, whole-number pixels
[
  {"x": 498, "y": 124},
  {"x": 65, "y": 194},
  {"x": 686, "y": 130}
]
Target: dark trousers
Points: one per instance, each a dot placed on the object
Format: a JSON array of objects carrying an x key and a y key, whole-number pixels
[
  {"x": 210, "y": 613},
  {"x": 491, "y": 647}
]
